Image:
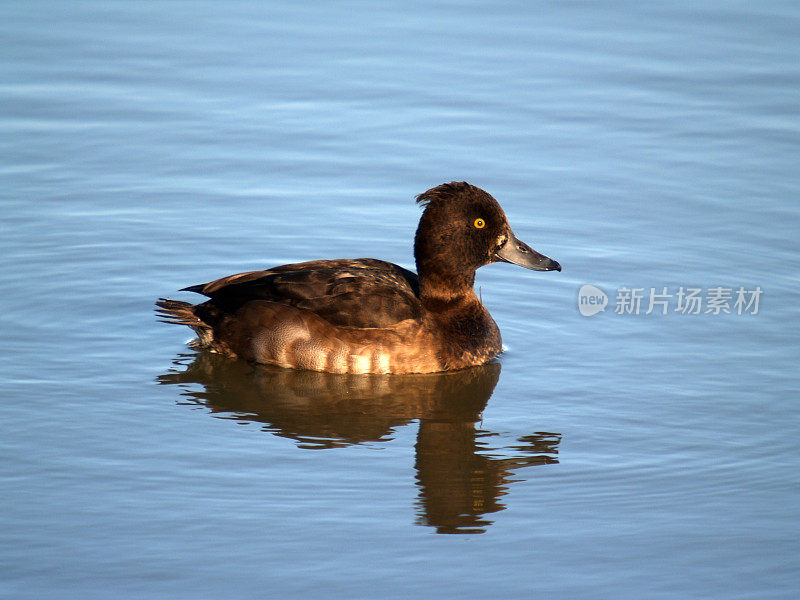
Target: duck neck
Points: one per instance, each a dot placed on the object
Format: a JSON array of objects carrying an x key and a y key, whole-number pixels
[{"x": 437, "y": 290}]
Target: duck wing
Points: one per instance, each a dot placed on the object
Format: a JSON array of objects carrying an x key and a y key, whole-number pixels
[{"x": 352, "y": 293}]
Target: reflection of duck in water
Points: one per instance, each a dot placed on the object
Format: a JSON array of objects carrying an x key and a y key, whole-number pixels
[
  {"x": 459, "y": 483},
  {"x": 458, "y": 480}
]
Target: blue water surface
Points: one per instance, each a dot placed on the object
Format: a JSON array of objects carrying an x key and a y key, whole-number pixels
[{"x": 650, "y": 148}]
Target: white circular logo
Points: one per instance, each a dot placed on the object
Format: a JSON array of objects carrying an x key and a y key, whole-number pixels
[{"x": 591, "y": 300}]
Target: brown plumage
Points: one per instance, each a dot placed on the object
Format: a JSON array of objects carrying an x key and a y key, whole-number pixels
[{"x": 367, "y": 315}]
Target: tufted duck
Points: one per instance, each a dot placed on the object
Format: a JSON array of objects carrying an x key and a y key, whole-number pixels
[{"x": 367, "y": 315}]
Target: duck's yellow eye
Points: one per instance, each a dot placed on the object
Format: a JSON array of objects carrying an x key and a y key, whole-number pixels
[{"x": 479, "y": 223}]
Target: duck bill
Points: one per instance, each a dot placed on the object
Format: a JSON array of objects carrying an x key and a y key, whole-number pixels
[{"x": 519, "y": 253}]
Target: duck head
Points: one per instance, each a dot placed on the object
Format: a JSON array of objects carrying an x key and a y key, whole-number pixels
[{"x": 463, "y": 228}]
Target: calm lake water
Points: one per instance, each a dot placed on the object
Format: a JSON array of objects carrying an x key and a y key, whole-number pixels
[{"x": 651, "y": 148}]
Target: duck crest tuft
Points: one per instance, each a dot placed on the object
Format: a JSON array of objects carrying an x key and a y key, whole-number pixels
[{"x": 444, "y": 192}]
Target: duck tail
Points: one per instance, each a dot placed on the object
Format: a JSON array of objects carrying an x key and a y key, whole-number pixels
[{"x": 183, "y": 313}]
